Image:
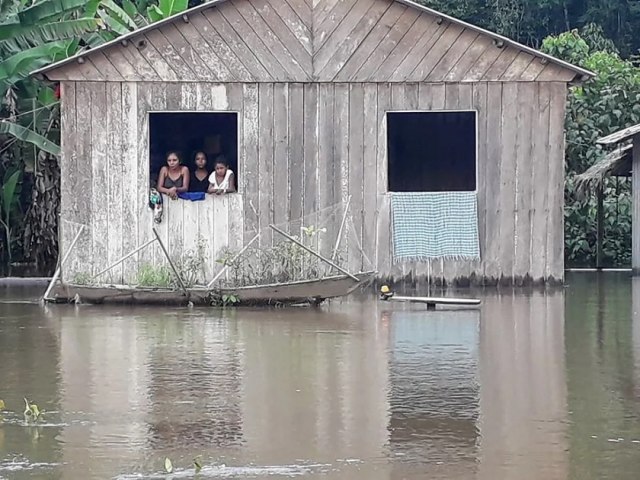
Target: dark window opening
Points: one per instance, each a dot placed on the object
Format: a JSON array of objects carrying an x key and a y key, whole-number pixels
[
  {"x": 215, "y": 134},
  {"x": 431, "y": 151}
]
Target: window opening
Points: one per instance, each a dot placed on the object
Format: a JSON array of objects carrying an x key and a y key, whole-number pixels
[
  {"x": 216, "y": 134},
  {"x": 431, "y": 151}
]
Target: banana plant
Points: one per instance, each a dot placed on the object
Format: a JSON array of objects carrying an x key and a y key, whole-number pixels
[
  {"x": 34, "y": 33},
  {"x": 9, "y": 203}
]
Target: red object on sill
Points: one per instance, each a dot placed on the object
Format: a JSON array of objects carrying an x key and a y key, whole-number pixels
[{"x": 57, "y": 91}]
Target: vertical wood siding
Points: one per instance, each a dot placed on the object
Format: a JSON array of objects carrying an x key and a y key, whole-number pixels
[{"x": 303, "y": 148}]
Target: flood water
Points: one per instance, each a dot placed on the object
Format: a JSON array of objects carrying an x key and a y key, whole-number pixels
[{"x": 530, "y": 386}]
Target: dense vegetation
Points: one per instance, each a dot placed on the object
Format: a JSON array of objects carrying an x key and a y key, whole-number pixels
[{"x": 33, "y": 33}]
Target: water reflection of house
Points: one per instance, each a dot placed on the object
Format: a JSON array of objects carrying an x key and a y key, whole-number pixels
[
  {"x": 480, "y": 394},
  {"x": 195, "y": 377},
  {"x": 328, "y": 376},
  {"x": 104, "y": 381},
  {"x": 29, "y": 359},
  {"x": 523, "y": 396},
  {"x": 434, "y": 397}
]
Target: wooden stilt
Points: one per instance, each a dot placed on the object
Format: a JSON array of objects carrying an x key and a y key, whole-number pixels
[
  {"x": 175, "y": 271},
  {"x": 339, "y": 238},
  {"x": 635, "y": 215},
  {"x": 600, "y": 226},
  {"x": 58, "y": 271}
]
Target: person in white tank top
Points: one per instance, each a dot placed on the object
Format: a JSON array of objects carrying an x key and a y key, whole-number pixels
[{"x": 222, "y": 179}]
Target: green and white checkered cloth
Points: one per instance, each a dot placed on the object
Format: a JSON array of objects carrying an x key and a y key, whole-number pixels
[{"x": 429, "y": 225}]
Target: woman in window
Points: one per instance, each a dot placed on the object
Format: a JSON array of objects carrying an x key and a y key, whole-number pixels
[
  {"x": 221, "y": 179},
  {"x": 174, "y": 178},
  {"x": 199, "y": 181}
]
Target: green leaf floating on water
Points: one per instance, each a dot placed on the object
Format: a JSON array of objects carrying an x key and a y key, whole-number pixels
[
  {"x": 168, "y": 466},
  {"x": 197, "y": 464},
  {"x": 31, "y": 410}
]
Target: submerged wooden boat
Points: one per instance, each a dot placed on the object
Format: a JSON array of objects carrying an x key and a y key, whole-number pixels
[{"x": 299, "y": 292}]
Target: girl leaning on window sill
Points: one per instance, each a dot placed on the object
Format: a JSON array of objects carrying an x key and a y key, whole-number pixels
[{"x": 222, "y": 179}]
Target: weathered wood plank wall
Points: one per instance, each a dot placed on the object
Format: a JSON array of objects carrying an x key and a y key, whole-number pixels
[
  {"x": 305, "y": 147},
  {"x": 312, "y": 82}
]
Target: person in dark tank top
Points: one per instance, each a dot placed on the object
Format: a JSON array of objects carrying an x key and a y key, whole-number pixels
[
  {"x": 174, "y": 178},
  {"x": 199, "y": 181}
]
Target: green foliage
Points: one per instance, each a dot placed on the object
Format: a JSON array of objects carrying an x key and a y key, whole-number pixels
[
  {"x": 190, "y": 265},
  {"x": 32, "y": 35},
  {"x": 229, "y": 300},
  {"x": 283, "y": 261},
  {"x": 82, "y": 278},
  {"x": 569, "y": 46},
  {"x": 197, "y": 464},
  {"x": 581, "y": 226},
  {"x": 529, "y": 21},
  {"x": 603, "y": 105},
  {"x": 10, "y": 208},
  {"x": 152, "y": 276},
  {"x": 165, "y": 9},
  {"x": 31, "y": 412},
  {"x": 29, "y": 136}
]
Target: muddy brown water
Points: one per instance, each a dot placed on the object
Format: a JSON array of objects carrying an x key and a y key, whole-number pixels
[{"x": 530, "y": 386}]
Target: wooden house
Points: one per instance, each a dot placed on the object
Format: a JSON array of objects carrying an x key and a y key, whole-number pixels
[{"x": 309, "y": 89}]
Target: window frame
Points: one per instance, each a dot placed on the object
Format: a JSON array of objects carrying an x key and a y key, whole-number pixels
[
  {"x": 420, "y": 110},
  {"x": 237, "y": 173}
]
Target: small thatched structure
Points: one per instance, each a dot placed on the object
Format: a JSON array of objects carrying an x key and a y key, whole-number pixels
[
  {"x": 621, "y": 162},
  {"x": 616, "y": 163}
]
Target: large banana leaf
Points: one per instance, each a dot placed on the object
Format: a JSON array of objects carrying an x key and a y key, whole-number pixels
[
  {"x": 132, "y": 10},
  {"x": 118, "y": 14},
  {"x": 171, "y": 7},
  {"x": 48, "y": 8},
  {"x": 19, "y": 37},
  {"x": 21, "y": 64},
  {"x": 166, "y": 8},
  {"x": 154, "y": 13},
  {"x": 26, "y": 135},
  {"x": 112, "y": 23}
]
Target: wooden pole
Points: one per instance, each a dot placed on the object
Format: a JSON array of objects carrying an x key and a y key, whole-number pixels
[
  {"x": 123, "y": 258},
  {"x": 235, "y": 257},
  {"x": 635, "y": 215},
  {"x": 312, "y": 252},
  {"x": 175, "y": 271},
  {"x": 600, "y": 225},
  {"x": 339, "y": 238},
  {"x": 58, "y": 271}
]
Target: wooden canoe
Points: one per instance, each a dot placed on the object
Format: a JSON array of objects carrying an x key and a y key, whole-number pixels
[{"x": 299, "y": 292}]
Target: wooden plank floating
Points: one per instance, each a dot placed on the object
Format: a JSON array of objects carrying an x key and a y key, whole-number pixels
[{"x": 432, "y": 302}]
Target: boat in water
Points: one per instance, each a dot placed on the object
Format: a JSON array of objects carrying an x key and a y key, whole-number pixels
[{"x": 302, "y": 292}]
